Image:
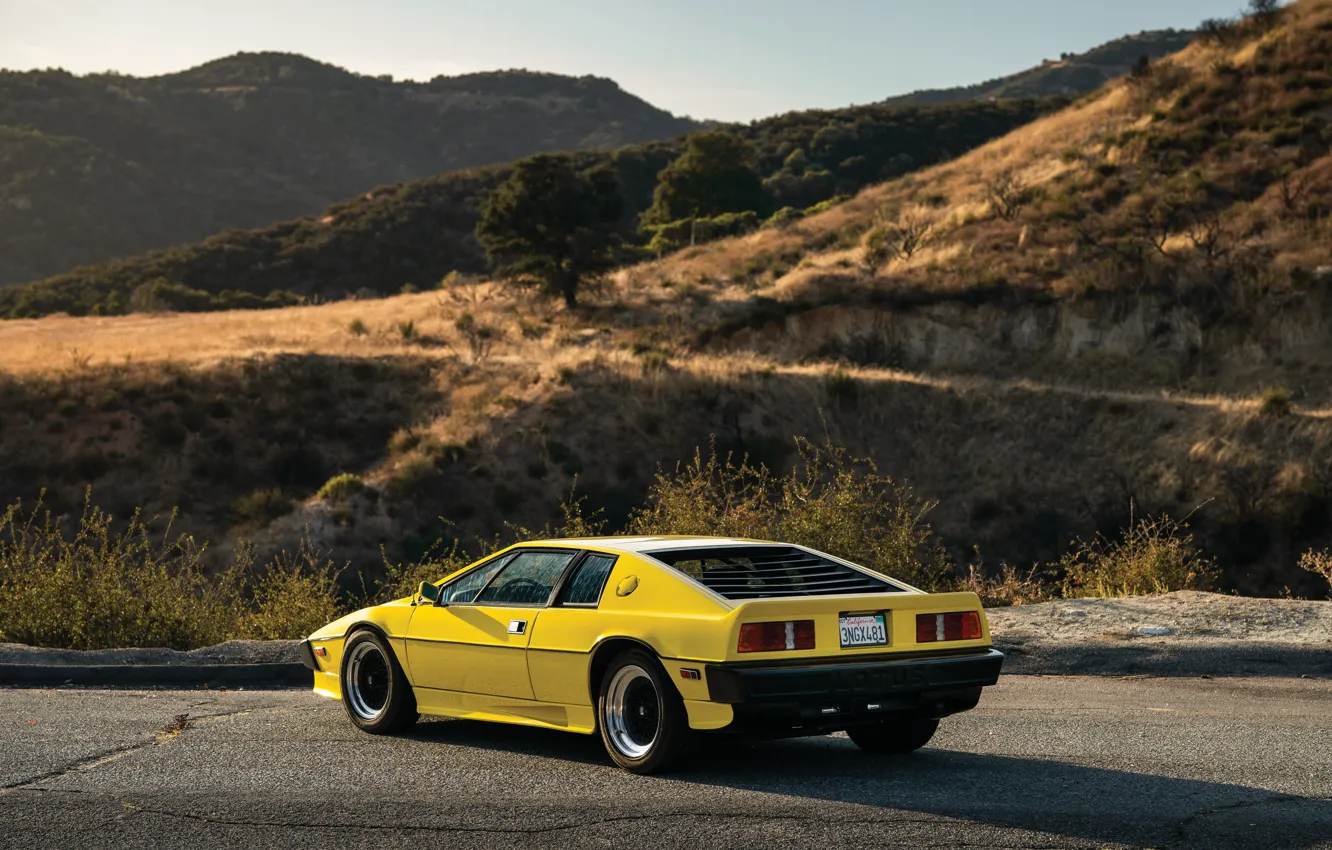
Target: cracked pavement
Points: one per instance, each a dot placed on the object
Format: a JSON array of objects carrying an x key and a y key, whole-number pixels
[{"x": 1057, "y": 762}]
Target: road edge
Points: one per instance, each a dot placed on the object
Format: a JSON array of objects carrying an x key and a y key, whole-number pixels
[{"x": 255, "y": 676}]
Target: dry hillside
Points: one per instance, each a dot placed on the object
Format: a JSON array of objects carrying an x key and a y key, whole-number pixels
[{"x": 1126, "y": 303}]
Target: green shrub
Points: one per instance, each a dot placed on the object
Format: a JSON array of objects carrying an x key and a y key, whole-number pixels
[
  {"x": 674, "y": 235},
  {"x": 412, "y": 475},
  {"x": 824, "y": 206},
  {"x": 403, "y": 578},
  {"x": 1275, "y": 402},
  {"x": 262, "y": 506},
  {"x": 292, "y": 596},
  {"x": 1009, "y": 587},
  {"x": 358, "y": 328},
  {"x": 1151, "y": 556},
  {"x": 784, "y": 217},
  {"x": 830, "y": 501},
  {"x": 340, "y": 488},
  {"x": 97, "y": 588}
]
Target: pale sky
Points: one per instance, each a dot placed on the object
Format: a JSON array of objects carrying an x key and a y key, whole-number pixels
[{"x": 722, "y": 59}]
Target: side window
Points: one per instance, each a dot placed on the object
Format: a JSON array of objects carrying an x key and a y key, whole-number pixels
[
  {"x": 465, "y": 588},
  {"x": 526, "y": 580},
  {"x": 586, "y": 585}
]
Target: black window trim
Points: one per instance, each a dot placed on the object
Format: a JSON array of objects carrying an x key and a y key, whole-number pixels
[
  {"x": 557, "y": 602},
  {"x": 512, "y": 553}
]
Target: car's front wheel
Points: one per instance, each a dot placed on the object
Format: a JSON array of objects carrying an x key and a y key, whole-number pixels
[
  {"x": 894, "y": 736},
  {"x": 641, "y": 715},
  {"x": 375, "y": 691}
]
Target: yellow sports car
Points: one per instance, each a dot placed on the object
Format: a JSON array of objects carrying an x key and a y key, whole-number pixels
[{"x": 653, "y": 641}]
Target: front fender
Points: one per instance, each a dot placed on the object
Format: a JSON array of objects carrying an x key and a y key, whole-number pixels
[{"x": 390, "y": 620}]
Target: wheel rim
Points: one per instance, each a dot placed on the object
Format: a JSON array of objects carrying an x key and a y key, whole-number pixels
[
  {"x": 367, "y": 681},
  {"x": 633, "y": 712}
]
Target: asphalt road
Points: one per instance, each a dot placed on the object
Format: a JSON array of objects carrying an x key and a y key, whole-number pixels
[{"x": 1044, "y": 762}]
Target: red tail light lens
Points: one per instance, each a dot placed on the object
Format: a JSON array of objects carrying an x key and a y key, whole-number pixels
[
  {"x": 776, "y": 637},
  {"x": 964, "y": 625}
]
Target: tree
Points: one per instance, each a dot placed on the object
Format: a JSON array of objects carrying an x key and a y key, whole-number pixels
[
  {"x": 550, "y": 224},
  {"x": 1265, "y": 13},
  {"x": 714, "y": 175}
]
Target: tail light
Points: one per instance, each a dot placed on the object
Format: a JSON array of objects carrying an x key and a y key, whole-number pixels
[
  {"x": 775, "y": 637},
  {"x": 964, "y": 625}
]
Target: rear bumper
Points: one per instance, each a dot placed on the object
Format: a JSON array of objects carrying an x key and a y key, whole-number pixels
[{"x": 808, "y": 697}]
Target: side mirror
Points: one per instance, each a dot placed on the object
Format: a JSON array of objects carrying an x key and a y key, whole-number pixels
[{"x": 428, "y": 591}]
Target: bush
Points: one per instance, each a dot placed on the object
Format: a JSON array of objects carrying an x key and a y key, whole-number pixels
[
  {"x": 479, "y": 337},
  {"x": 1010, "y": 587},
  {"x": 1275, "y": 402},
  {"x": 358, "y": 328},
  {"x": 1007, "y": 195},
  {"x": 294, "y": 595},
  {"x": 830, "y": 501},
  {"x": 412, "y": 475},
  {"x": 1318, "y": 563},
  {"x": 340, "y": 488},
  {"x": 1219, "y": 32},
  {"x": 674, "y": 235},
  {"x": 98, "y": 588},
  {"x": 783, "y": 217},
  {"x": 262, "y": 506},
  {"x": 403, "y": 578},
  {"x": 1151, "y": 556}
]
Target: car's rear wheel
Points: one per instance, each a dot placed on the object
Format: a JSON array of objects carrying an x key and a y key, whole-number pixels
[
  {"x": 641, "y": 715},
  {"x": 894, "y": 735},
  {"x": 375, "y": 691}
]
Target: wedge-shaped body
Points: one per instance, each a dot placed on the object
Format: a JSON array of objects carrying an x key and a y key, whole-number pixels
[{"x": 653, "y": 641}]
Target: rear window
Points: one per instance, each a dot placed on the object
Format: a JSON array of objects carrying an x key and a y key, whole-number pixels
[{"x": 759, "y": 572}]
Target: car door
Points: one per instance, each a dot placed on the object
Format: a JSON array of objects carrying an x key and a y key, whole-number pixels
[
  {"x": 474, "y": 640},
  {"x": 560, "y": 647}
]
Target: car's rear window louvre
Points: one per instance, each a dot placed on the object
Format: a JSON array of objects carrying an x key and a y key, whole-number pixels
[{"x": 761, "y": 572}]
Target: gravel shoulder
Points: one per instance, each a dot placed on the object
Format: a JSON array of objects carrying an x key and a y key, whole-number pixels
[{"x": 1178, "y": 634}]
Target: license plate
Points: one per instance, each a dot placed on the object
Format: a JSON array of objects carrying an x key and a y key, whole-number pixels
[{"x": 863, "y": 630}]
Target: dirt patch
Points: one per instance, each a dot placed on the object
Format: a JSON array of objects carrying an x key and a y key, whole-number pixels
[{"x": 1186, "y": 615}]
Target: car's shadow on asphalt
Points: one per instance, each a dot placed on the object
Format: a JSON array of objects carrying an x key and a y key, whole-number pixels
[{"x": 1060, "y": 798}]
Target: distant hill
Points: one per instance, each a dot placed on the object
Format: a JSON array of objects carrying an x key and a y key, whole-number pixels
[
  {"x": 103, "y": 166},
  {"x": 1072, "y": 74},
  {"x": 415, "y": 233}
]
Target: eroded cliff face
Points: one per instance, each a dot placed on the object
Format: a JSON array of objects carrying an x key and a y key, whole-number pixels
[
  {"x": 1033, "y": 423},
  {"x": 1107, "y": 341}
]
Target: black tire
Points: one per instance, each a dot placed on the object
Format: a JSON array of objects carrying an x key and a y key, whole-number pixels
[
  {"x": 641, "y": 716},
  {"x": 894, "y": 736},
  {"x": 375, "y": 691}
]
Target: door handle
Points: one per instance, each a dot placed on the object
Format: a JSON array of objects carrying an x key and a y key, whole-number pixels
[{"x": 517, "y": 627}]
